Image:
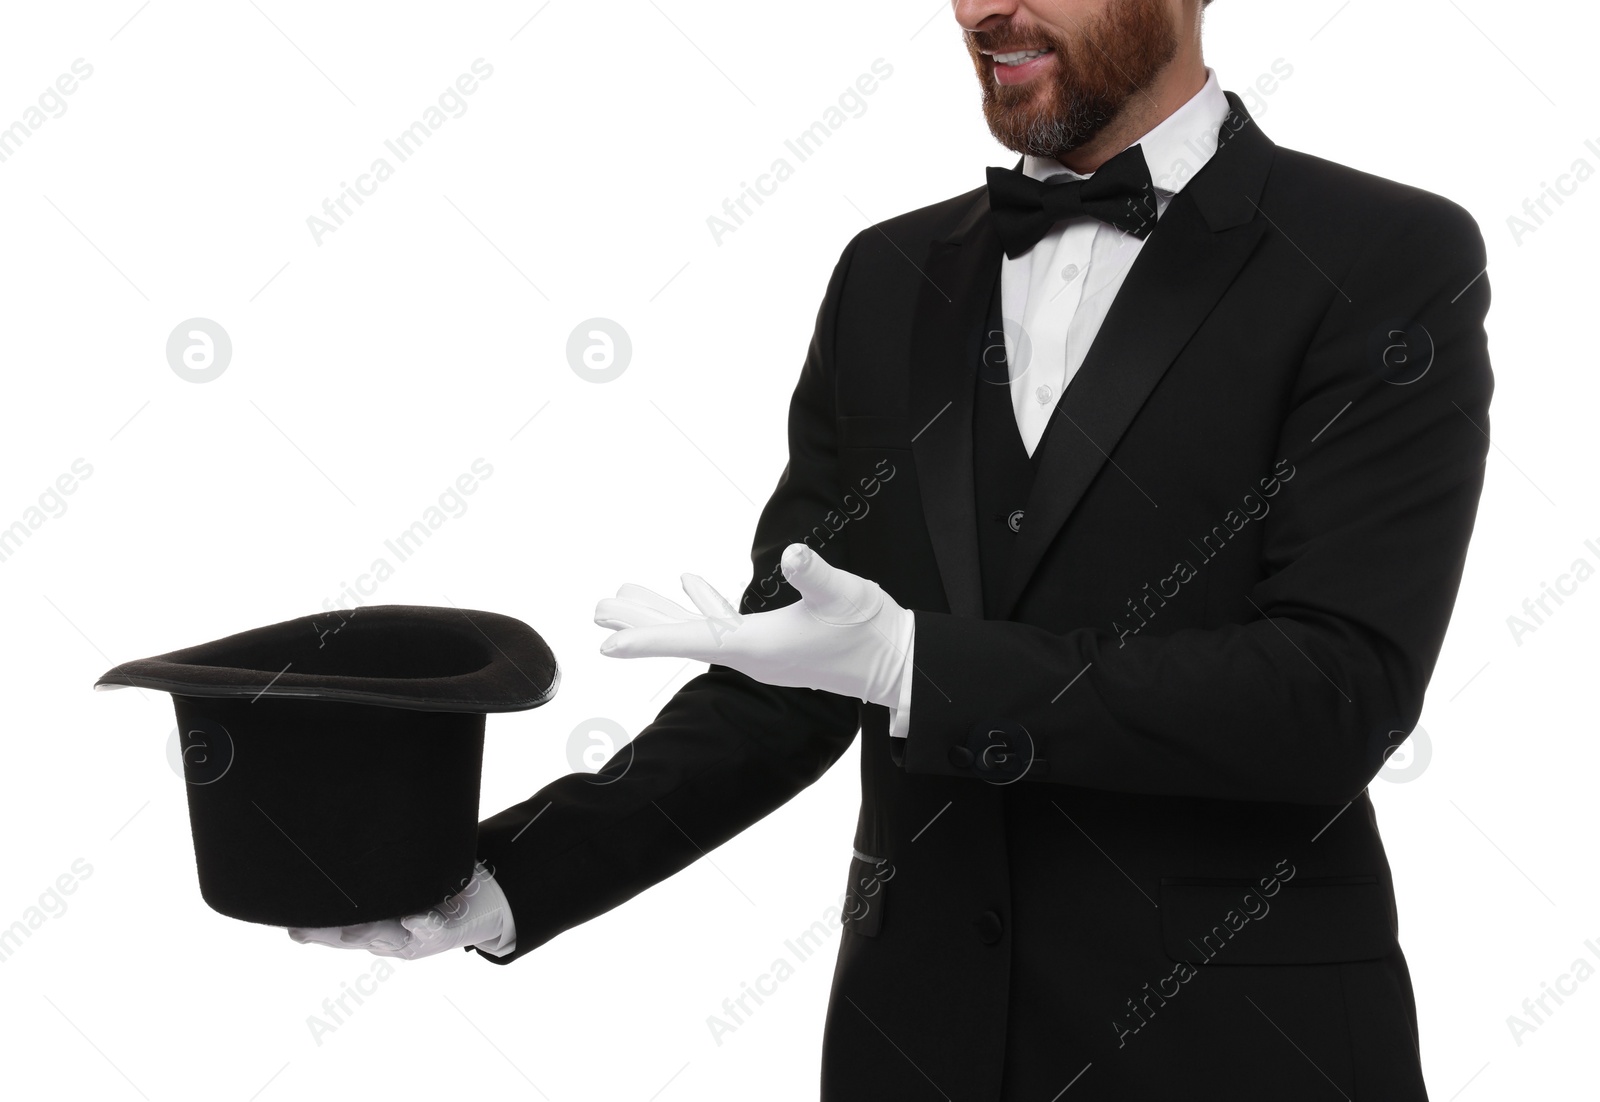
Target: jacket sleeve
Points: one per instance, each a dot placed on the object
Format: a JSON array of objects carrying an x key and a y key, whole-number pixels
[
  {"x": 1336, "y": 641},
  {"x": 725, "y": 751}
]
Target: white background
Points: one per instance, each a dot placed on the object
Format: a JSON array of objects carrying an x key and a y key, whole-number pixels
[{"x": 369, "y": 370}]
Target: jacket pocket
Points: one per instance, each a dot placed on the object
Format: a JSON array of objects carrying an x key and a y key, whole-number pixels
[
  {"x": 1307, "y": 920},
  {"x": 864, "y": 896}
]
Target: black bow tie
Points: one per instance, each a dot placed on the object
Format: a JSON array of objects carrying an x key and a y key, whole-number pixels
[{"x": 1119, "y": 193}]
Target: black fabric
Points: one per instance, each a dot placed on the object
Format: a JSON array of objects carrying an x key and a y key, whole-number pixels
[
  {"x": 1119, "y": 192},
  {"x": 408, "y": 656},
  {"x": 1003, "y": 471},
  {"x": 333, "y": 761},
  {"x": 1208, "y": 740}
]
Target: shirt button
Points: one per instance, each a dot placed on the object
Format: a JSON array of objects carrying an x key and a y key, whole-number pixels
[
  {"x": 1069, "y": 273},
  {"x": 989, "y": 927},
  {"x": 1043, "y": 394}
]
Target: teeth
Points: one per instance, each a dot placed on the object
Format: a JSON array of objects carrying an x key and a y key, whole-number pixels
[{"x": 1019, "y": 57}]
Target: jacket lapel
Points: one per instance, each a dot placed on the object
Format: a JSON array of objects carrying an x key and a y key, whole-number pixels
[
  {"x": 959, "y": 276},
  {"x": 1199, "y": 246},
  {"x": 1196, "y": 250}
]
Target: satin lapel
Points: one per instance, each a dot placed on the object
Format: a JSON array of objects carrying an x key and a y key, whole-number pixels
[
  {"x": 947, "y": 338},
  {"x": 1196, "y": 250}
]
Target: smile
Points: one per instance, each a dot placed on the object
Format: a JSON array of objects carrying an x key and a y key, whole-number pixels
[
  {"x": 1019, "y": 56},
  {"x": 1021, "y": 66}
]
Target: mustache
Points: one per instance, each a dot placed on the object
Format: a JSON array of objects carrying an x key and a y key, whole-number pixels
[{"x": 1005, "y": 42}]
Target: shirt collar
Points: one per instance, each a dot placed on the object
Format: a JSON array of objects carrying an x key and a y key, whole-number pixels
[{"x": 1175, "y": 148}]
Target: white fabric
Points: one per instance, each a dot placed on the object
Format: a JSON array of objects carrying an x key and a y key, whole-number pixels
[
  {"x": 845, "y": 635},
  {"x": 478, "y": 915},
  {"x": 1059, "y": 291}
]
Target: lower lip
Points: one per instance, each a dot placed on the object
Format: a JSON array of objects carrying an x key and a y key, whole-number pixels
[{"x": 1021, "y": 74}]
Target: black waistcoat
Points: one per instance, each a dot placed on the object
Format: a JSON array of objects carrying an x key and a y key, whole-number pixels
[{"x": 1003, "y": 471}]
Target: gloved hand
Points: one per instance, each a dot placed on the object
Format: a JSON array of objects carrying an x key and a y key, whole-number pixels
[
  {"x": 477, "y": 915},
  {"x": 845, "y": 635}
]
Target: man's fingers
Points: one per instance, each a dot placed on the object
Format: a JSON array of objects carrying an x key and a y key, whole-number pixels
[
  {"x": 315, "y": 935},
  {"x": 649, "y": 598},
  {"x": 708, "y": 600},
  {"x": 697, "y": 639},
  {"x": 617, "y": 613},
  {"x": 374, "y": 936},
  {"x": 636, "y": 606},
  {"x": 832, "y": 595}
]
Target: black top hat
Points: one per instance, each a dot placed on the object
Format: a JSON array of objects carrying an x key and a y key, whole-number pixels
[{"x": 332, "y": 761}]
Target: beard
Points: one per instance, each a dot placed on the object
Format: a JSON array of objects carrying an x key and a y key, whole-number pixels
[{"x": 1106, "y": 61}]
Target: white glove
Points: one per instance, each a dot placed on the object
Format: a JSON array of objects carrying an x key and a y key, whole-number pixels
[
  {"x": 845, "y": 635},
  {"x": 477, "y": 915}
]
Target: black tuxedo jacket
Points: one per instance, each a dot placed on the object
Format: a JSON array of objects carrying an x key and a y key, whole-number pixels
[{"x": 1128, "y": 844}]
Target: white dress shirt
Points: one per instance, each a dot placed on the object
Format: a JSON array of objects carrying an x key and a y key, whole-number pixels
[{"x": 1059, "y": 292}]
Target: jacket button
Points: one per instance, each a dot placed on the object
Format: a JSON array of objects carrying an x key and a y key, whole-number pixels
[
  {"x": 960, "y": 757},
  {"x": 989, "y": 927}
]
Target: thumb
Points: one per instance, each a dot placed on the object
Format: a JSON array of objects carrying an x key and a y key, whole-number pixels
[{"x": 832, "y": 595}]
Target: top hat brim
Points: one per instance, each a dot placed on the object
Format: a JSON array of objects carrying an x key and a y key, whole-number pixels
[{"x": 417, "y": 657}]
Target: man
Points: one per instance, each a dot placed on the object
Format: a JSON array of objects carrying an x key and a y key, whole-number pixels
[{"x": 1126, "y": 504}]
